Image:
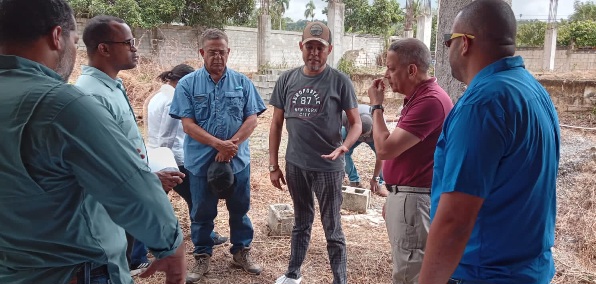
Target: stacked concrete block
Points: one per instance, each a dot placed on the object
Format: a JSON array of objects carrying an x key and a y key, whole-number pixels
[
  {"x": 280, "y": 219},
  {"x": 266, "y": 82},
  {"x": 355, "y": 199}
]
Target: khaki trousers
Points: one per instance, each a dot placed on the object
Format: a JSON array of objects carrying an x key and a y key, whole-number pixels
[{"x": 407, "y": 217}]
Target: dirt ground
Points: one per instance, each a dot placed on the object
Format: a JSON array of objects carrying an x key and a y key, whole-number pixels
[
  {"x": 369, "y": 258},
  {"x": 368, "y": 248}
]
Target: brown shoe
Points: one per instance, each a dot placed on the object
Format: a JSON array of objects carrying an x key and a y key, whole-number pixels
[
  {"x": 200, "y": 269},
  {"x": 243, "y": 259},
  {"x": 355, "y": 184}
]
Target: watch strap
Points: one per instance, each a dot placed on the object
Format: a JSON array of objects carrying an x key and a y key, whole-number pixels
[{"x": 374, "y": 107}]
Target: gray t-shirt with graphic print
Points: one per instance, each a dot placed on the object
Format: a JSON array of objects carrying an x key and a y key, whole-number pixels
[{"x": 312, "y": 108}]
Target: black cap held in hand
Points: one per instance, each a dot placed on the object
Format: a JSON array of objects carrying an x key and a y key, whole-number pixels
[{"x": 220, "y": 179}]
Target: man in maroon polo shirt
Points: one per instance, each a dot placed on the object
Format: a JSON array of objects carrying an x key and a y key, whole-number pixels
[{"x": 408, "y": 152}]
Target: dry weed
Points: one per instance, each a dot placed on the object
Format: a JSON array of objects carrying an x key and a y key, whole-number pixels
[{"x": 369, "y": 258}]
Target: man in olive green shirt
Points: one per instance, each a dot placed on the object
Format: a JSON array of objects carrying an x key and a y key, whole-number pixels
[{"x": 67, "y": 172}]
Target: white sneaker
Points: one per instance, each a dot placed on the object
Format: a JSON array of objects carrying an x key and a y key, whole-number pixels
[{"x": 285, "y": 280}]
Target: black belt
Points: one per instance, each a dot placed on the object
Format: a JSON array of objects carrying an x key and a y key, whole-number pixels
[
  {"x": 407, "y": 189},
  {"x": 86, "y": 273}
]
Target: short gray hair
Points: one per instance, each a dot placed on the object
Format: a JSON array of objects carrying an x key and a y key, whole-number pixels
[
  {"x": 412, "y": 51},
  {"x": 211, "y": 34}
]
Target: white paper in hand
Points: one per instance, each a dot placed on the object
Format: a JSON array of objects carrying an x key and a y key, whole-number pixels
[{"x": 161, "y": 158}]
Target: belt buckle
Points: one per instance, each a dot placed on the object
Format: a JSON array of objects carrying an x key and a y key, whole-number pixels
[{"x": 391, "y": 188}]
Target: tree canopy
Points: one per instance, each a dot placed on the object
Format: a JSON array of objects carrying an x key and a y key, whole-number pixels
[
  {"x": 583, "y": 11},
  {"x": 151, "y": 13},
  {"x": 382, "y": 17},
  {"x": 578, "y": 31}
]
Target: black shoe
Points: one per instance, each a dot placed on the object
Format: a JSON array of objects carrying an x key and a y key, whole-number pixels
[{"x": 219, "y": 239}]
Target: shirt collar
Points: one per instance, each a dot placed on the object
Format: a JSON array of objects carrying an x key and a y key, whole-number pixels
[
  {"x": 103, "y": 77},
  {"x": 16, "y": 62},
  {"x": 167, "y": 90},
  {"x": 204, "y": 73},
  {"x": 420, "y": 88},
  {"x": 502, "y": 64}
]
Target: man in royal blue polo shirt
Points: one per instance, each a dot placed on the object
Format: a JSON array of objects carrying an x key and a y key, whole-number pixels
[{"x": 493, "y": 201}]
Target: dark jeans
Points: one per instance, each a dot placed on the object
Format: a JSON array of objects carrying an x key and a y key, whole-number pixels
[
  {"x": 350, "y": 167},
  {"x": 136, "y": 251},
  {"x": 204, "y": 211},
  {"x": 183, "y": 190},
  {"x": 97, "y": 276}
]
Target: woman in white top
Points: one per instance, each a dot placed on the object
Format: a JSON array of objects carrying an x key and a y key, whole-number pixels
[{"x": 165, "y": 131}]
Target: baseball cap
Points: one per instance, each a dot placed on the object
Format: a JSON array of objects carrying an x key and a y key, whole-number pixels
[
  {"x": 220, "y": 179},
  {"x": 316, "y": 31}
]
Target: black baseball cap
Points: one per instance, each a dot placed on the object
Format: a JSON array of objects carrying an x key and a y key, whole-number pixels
[{"x": 220, "y": 179}]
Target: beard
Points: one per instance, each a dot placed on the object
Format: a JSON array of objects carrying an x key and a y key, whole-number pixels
[{"x": 66, "y": 61}]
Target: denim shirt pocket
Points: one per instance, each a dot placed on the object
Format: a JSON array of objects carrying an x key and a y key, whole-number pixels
[
  {"x": 235, "y": 104},
  {"x": 201, "y": 106}
]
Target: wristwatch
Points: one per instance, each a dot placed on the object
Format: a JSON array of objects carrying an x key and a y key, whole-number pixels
[
  {"x": 378, "y": 179},
  {"x": 372, "y": 108},
  {"x": 273, "y": 168}
]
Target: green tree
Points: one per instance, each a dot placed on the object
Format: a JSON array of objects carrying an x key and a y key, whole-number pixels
[
  {"x": 357, "y": 14},
  {"x": 579, "y": 33},
  {"x": 137, "y": 13},
  {"x": 310, "y": 10},
  {"x": 583, "y": 11},
  {"x": 216, "y": 13},
  {"x": 433, "y": 33},
  {"x": 297, "y": 26},
  {"x": 530, "y": 33},
  {"x": 279, "y": 8},
  {"x": 151, "y": 13},
  {"x": 384, "y": 17},
  {"x": 414, "y": 10}
]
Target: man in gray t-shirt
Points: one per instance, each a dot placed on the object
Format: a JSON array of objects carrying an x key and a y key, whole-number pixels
[{"x": 311, "y": 99}]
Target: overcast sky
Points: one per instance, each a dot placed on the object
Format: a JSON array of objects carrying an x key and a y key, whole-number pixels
[{"x": 529, "y": 9}]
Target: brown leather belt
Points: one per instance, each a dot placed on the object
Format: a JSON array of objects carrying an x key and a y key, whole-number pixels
[{"x": 407, "y": 189}]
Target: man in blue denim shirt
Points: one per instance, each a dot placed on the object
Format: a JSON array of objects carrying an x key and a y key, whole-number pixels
[{"x": 218, "y": 108}]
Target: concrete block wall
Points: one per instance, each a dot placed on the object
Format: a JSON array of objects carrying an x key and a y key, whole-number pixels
[
  {"x": 565, "y": 60},
  {"x": 170, "y": 45},
  {"x": 369, "y": 47},
  {"x": 265, "y": 82},
  {"x": 173, "y": 44}
]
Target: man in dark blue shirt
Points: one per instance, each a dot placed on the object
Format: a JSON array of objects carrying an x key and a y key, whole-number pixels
[{"x": 493, "y": 201}]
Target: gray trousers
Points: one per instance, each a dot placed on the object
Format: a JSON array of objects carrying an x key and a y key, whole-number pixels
[
  {"x": 326, "y": 186},
  {"x": 407, "y": 217}
]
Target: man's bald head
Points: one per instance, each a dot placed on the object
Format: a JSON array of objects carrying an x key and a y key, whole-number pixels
[{"x": 491, "y": 22}]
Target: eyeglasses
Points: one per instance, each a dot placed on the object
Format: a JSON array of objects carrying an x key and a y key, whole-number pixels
[
  {"x": 449, "y": 37},
  {"x": 130, "y": 42},
  {"x": 220, "y": 53}
]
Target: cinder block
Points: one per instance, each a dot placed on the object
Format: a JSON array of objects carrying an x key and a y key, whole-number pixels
[
  {"x": 280, "y": 219},
  {"x": 355, "y": 199},
  {"x": 272, "y": 78}
]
